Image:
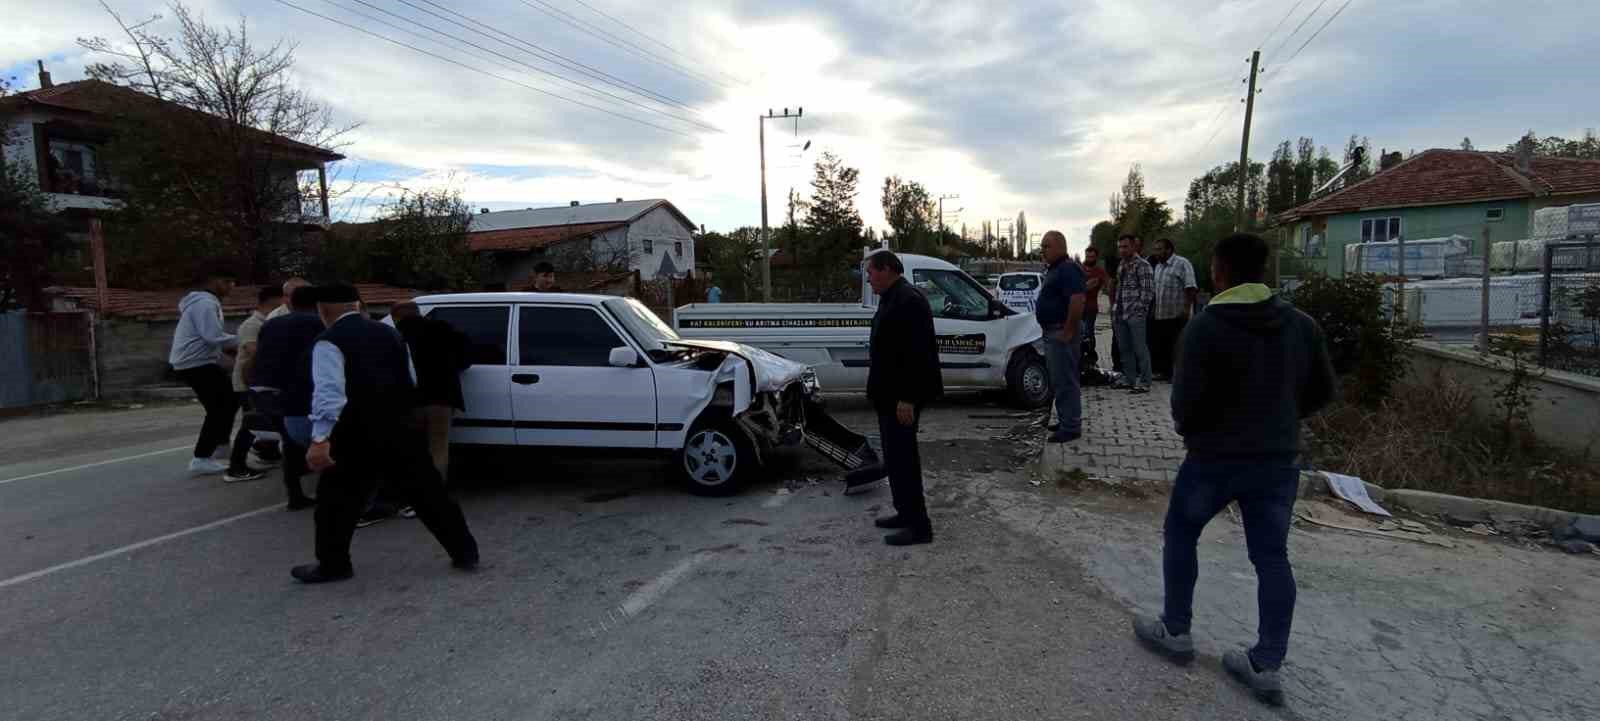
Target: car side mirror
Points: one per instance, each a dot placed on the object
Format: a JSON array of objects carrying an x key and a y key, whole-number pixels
[{"x": 624, "y": 357}]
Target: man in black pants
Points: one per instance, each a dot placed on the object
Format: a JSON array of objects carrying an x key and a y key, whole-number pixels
[
  {"x": 197, "y": 347},
  {"x": 282, "y": 384},
  {"x": 360, "y": 405},
  {"x": 903, "y": 377}
]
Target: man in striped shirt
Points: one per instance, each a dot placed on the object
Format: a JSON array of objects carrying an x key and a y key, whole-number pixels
[{"x": 1131, "y": 314}]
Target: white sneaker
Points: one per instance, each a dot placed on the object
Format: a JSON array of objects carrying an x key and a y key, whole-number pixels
[
  {"x": 221, "y": 454},
  {"x": 203, "y": 466}
]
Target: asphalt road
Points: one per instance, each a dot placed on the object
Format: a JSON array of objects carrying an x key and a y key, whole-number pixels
[{"x": 129, "y": 590}]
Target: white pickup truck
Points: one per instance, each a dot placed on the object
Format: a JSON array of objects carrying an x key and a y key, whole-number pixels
[{"x": 983, "y": 345}]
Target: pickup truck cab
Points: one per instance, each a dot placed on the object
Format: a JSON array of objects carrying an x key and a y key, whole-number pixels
[
  {"x": 602, "y": 372},
  {"x": 983, "y": 345}
]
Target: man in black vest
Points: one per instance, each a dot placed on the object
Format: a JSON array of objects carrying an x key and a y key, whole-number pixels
[
  {"x": 360, "y": 406},
  {"x": 903, "y": 376},
  {"x": 281, "y": 384}
]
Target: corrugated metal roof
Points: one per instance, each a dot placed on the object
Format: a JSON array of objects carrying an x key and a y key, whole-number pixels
[{"x": 561, "y": 215}]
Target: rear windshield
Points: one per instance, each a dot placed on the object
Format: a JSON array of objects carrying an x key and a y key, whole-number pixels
[{"x": 1019, "y": 282}]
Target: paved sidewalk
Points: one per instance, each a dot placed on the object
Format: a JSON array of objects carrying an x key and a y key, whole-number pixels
[{"x": 1125, "y": 435}]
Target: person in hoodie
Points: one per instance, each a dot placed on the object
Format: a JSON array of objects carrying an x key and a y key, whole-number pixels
[
  {"x": 196, "y": 356},
  {"x": 1250, "y": 367}
]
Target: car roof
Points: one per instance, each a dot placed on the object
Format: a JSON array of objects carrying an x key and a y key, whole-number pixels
[{"x": 509, "y": 297}]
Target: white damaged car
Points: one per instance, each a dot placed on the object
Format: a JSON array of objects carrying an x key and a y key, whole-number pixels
[{"x": 603, "y": 372}]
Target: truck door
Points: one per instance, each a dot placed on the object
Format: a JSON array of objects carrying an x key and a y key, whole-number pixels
[{"x": 972, "y": 351}]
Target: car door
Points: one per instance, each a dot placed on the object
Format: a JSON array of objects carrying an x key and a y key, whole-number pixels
[
  {"x": 970, "y": 345},
  {"x": 486, "y": 384},
  {"x": 564, "y": 390}
]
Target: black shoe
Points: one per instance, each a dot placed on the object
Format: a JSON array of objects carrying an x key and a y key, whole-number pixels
[
  {"x": 909, "y": 537},
  {"x": 1053, "y": 427},
  {"x": 864, "y": 478},
  {"x": 1138, "y": 390},
  {"x": 469, "y": 563},
  {"x": 316, "y": 573},
  {"x": 375, "y": 516},
  {"x": 890, "y": 522},
  {"x": 1059, "y": 437},
  {"x": 301, "y": 503}
]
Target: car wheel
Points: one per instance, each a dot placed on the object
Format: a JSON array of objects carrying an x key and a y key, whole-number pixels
[
  {"x": 716, "y": 459},
  {"x": 1028, "y": 381}
]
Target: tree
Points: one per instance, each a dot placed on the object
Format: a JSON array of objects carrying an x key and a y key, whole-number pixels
[
  {"x": 1282, "y": 179},
  {"x": 1466, "y": 144},
  {"x": 911, "y": 213},
  {"x": 734, "y": 260},
  {"x": 1134, "y": 212},
  {"x": 418, "y": 241},
  {"x": 206, "y": 184},
  {"x": 1585, "y": 148},
  {"x": 30, "y": 233},
  {"x": 1103, "y": 238},
  {"x": 1022, "y": 234},
  {"x": 831, "y": 245},
  {"x": 1210, "y": 211}
]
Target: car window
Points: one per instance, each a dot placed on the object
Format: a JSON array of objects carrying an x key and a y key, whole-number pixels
[
  {"x": 1019, "y": 282},
  {"x": 564, "y": 336},
  {"x": 952, "y": 295},
  {"x": 485, "y": 328}
]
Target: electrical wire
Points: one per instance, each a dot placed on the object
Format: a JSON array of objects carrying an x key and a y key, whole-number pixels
[
  {"x": 1314, "y": 35},
  {"x": 646, "y": 36},
  {"x": 1279, "y": 26},
  {"x": 1297, "y": 28},
  {"x": 480, "y": 71},
  {"x": 569, "y": 19}
]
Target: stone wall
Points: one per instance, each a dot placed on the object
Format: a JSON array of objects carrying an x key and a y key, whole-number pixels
[
  {"x": 133, "y": 354},
  {"x": 1565, "y": 405}
]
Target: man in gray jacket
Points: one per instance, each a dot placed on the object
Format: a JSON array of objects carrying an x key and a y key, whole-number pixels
[{"x": 197, "y": 347}]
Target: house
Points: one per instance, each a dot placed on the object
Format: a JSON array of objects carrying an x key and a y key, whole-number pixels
[
  {"x": 651, "y": 237},
  {"x": 1438, "y": 193},
  {"x": 57, "y": 131}
]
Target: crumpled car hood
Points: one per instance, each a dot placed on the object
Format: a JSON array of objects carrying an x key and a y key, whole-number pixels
[{"x": 769, "y": 372}]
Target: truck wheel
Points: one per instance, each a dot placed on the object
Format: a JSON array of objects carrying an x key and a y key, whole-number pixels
[
  {"x": 1028, "y": 380},
  {"x": 716, "y": 458}
]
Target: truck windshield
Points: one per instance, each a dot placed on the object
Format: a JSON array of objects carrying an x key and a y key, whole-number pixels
[
  {"x": 1019, "y": 282},
  {"x": 643, "y": 323},
  {"x": 952, "y": 294}
]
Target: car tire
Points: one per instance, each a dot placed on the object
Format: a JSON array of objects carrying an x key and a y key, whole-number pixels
[
  {"x": 717, "y": 458},
  {"x": 1028, "y": 380}
]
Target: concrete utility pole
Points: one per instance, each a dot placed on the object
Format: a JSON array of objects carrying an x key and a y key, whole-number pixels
[
  {"x": 942, "y": 198},
  {"x": 1244, "y": 145},
  {"x": 766, "y": 242}
]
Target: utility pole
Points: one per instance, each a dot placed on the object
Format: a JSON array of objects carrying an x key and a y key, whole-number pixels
[
  {"x": 766, "y": 242},
  {"x": 1244, "y": 145},
  {"x": 941, "y": 213}
]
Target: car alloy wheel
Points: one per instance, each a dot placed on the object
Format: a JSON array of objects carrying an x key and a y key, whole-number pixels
[{"x": 710, "y": 458}]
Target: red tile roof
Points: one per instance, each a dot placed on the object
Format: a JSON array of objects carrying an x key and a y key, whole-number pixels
[
  {"x": 97, "y": 97},
  {"x": 523, "y": 239},
  {"x": 1448, "y": 177},
  {"x": 163, "y": 304}
]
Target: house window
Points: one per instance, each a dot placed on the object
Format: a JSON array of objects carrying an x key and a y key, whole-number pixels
[
  {"x": 1380, "y": 230},
  {"x": 1494, "y": 214},
  {"x": 649, "y": 246},
  {"x": 677, "y": 248}
]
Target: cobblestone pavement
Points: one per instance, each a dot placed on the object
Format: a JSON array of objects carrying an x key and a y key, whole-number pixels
[{"x": 1125, "y": 435}]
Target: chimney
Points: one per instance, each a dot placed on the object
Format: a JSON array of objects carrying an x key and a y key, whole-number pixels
[
  {"x": 44, "y": 77},
  {"x": 1389, "y": 160},
  {"x": 1524, "y": 155},
  {"x": 619, "y": 200},
  {"x": 574, "y": 203}
]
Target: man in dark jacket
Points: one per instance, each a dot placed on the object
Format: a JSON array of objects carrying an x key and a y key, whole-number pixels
[
  {"x": 1250, "y": 367},
  {"x": 439, "y": 352},
  {"x": 902, "y": 378},
  {"x": 281, "y": 384},
  {"x": 359, "y": 434},
  {"x": 1060, "y": 316}
]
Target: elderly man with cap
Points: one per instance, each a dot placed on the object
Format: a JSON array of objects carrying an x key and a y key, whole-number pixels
[{"x": 360, "y": 407}]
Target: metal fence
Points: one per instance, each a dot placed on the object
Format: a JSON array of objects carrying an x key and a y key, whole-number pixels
[{"x": 45, "y": 358}]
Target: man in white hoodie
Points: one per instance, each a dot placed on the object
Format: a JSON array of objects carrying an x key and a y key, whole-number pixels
[{"x": 197, "y": 347}]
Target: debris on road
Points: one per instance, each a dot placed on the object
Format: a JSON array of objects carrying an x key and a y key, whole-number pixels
[
  {"x": 1352, "y": 489},
  {"x": 1328, "y": 516}
]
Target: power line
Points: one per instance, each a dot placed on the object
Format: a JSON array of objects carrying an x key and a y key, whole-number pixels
[
  {"x": 1217, "y": 127},
  {"x": 536, "y": 68},
  {"x": 480, "y": 71},
  {"x": 1314, "y": 35},
  {"x": 1297, "y": 28},
  {"x": 647, "y": 36},
  {"x": 1281, "y": 21},
  {"x": 569, "y": 19}
]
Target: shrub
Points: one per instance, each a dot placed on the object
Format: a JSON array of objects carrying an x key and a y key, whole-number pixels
[{"x": 1364, "y": 339}]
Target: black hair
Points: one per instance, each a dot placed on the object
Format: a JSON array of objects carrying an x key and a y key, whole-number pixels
[
  {"x": 303, "y": 298},
  {"x": 544, "y": 266},
  {"x": 268, "y": 292},
  {"x": 1167, "y": 241},
  {"x": 886, "y": 259},
  {"x": 1243, "y": 257},
  {"x": 1130, "y": 237}
]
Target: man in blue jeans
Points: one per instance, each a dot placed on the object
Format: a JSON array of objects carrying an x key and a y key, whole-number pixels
[
  {"x": 1060, "y": 315},
  {"x": 1130, "y": 314},
  {"x": 1250, "y": 368}
]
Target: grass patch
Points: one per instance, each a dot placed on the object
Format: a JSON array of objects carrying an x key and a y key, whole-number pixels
[{"x": 1428, "y": 437}]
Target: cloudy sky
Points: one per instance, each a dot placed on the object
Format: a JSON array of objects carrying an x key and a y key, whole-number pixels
[{"x": 1031, "y": 105}]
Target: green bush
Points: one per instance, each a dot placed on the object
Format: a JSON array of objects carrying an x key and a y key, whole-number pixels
[{"x": 1367, "y": 342}]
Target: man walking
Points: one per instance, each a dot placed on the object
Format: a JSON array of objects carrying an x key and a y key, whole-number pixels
[
  {"x": 1095, "y": 282},
  {"x": 1060, "y": 315},
  {"x": 902, "y": 377},
  {"x": 439, "y": 353},
  {"x": 1175, "y": 296},
  {"x": 1251, "y": 367},
  {"x": 362, "y": 392},
  {"x": 1131, "y": 311},
  {"x": 239, "y": 469},
  {"x": 282, "y": 384},
  {"x": 196, "y": 356}
]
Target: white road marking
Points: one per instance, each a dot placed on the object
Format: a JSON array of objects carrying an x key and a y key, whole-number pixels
[
  {"x": 641, "y": 599},
  {"x": 136, "y": 457},
  {"x": 24, "y": 578}
]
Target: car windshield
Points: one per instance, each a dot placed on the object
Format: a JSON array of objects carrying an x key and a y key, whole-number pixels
[
  {"x": 952, "y": 294},
  {"x": 643, "y": 323},
  {"x": 1019, "y": 282}
]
